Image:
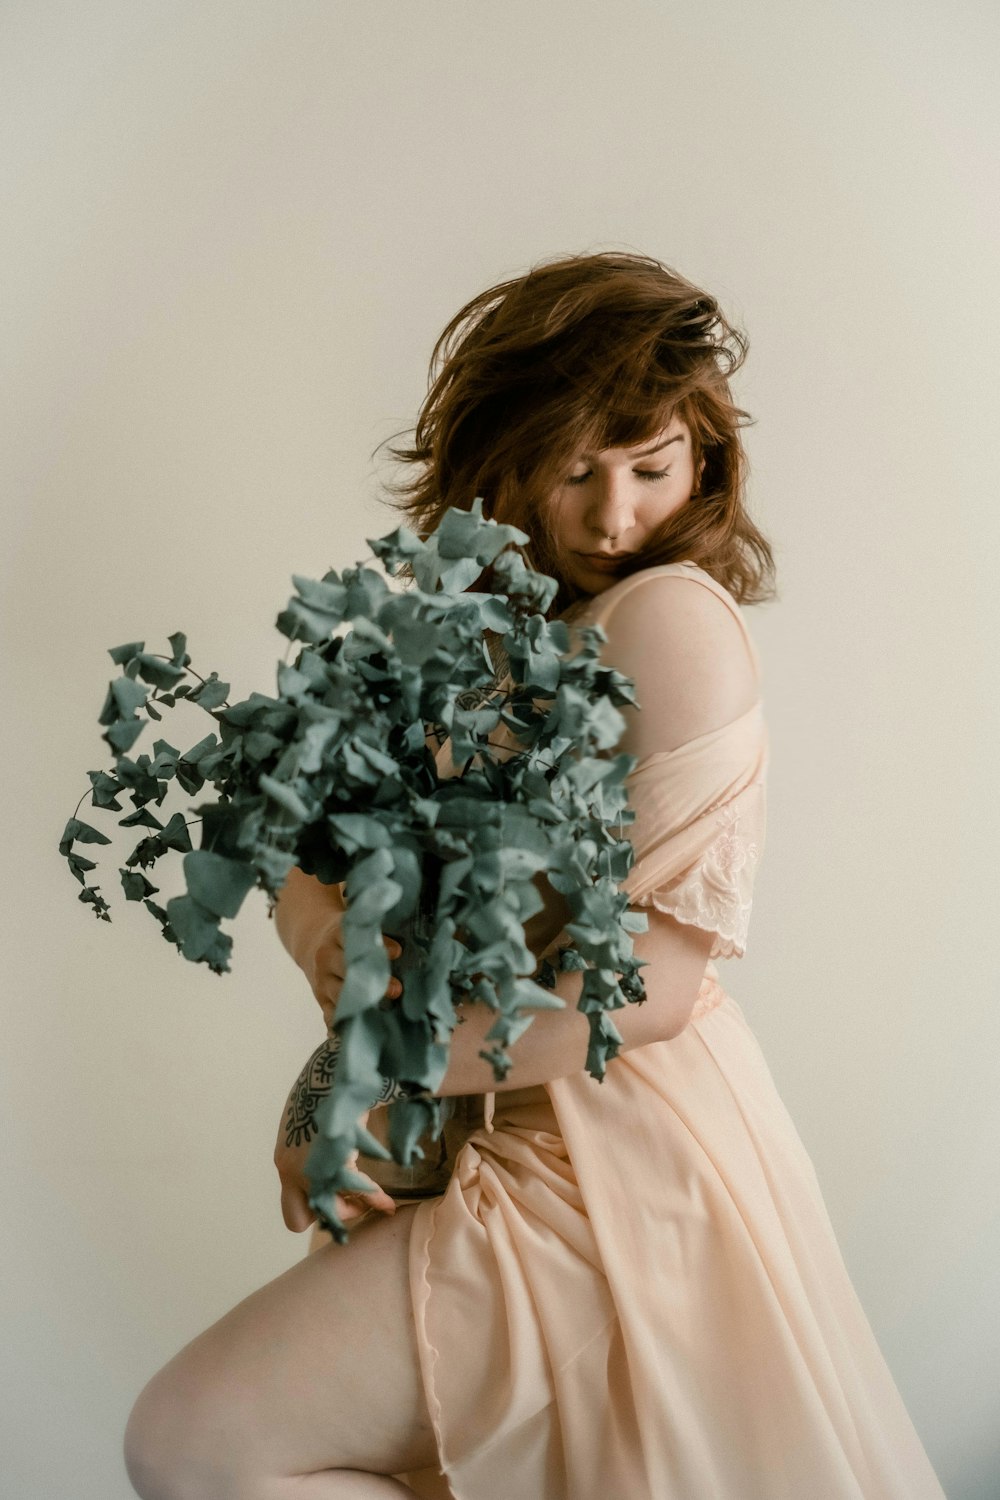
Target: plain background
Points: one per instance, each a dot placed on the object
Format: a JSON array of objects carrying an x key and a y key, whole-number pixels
[{"x": 230, "y": 235}]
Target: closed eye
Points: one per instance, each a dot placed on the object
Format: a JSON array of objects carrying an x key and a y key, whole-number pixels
[{"x": 648, "y": 474}]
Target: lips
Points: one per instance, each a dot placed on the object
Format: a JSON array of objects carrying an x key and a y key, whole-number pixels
[{"x": 605, "y": 560}]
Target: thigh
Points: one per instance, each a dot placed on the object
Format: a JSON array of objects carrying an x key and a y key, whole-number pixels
[{"x": 316, "y": 1370}]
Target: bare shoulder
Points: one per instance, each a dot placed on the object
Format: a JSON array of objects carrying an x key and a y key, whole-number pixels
[
  {"x": 673, "y": 601},
  {"x": 681, "y": 637}
]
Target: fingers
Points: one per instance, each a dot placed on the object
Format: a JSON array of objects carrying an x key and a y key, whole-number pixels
[
  {"x": 380, "y": 1199},
  {"x": 332, "y": 950},
  {"x": 295, "y": 1208},
  {"x": 393, "y": 989},
  {"x": 356, "y": 1205},
  {"x": 349, "y": 1208},
  {"x": 373, "y": 1197},
  {"x": 298, "y": 1216},
  {"x": 329, "y": 968}
]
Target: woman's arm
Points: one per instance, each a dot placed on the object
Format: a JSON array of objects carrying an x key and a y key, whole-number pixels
[
  {"x": 556, "y": 1041},
  {"x": 305, "y": 910},
  {"x": 308, "y": 915}
]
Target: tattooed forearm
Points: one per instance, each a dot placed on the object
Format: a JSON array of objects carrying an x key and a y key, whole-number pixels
[{"x": 312, "y": 1085}]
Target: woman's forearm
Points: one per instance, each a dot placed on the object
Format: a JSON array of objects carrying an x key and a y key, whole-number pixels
[
  {"x": 556, "y": 1041},
  {"x": 303, "y": 913}
]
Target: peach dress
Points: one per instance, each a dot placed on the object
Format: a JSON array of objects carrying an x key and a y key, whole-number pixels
[{"x": 632, "y": 1290}]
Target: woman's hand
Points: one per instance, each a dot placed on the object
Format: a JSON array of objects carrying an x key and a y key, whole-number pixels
[
  {"x": 296, "y": 1133},
  {"x": 329, "y": 967},
  {"x": 307, "y": 916}
]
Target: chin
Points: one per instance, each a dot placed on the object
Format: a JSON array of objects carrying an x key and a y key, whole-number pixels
[{"x": 594, "y": 580}]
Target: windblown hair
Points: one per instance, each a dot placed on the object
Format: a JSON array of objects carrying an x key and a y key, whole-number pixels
[{"x": 585, "y": 353}]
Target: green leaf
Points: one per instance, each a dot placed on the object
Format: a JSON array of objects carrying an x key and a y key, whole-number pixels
[
  {"x": 192, "y": 766},
  {"x": 210, "y": 694},
  {"x": 409, "y": 1121},
  {"x": 328, "y": 595},
  {"x": 300, "y": 623},
  {"x": 219, "y": 885},
  {"x": 285, "y": 796},
  {"x": 123, "y": 735},
  {"x": 359, "y": 831},
  {"x": 462, "y": 533},
  {"x": 175, "y": 834},
  {"x": 80, "y": 833},
  {"x": 126, "y": 697},
  {"x": 147, "y": 852},
  {"x": 136, "y": 886},
  {"x": 370, "y": 1145},
  {"x": 532, "y": 996},
  {"x": 507, "y": 1029},
  {"x": 460, "y": 574},
  {"x": 178, "y": 647},
  {"x": 250, "y": 711},
  {"x": 120, "y": 655},
  {"x": 165, "y": 763},
  {"x": 292, "y": 683},
  {"x": 197, "y": 931},
  {"x": 90, "y": 894},
  {"x": 106, "y": 790},
  {"x": 203, "y": 748},
  {"x": 365, "y": 639},
  {"x": 258, "y": 745},
  {"x": 397, "y": 549},
  {"x": 161, "y": 916},
  {"x": 273, "y": 866},
  {"x": 143, "y": 818},
  {"x": 161, "y": 674},
  {"x": 316, "y": 613},
  {"x": 498, "y": 1061}
]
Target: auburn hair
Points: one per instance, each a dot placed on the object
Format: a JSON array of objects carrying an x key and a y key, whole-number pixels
[{"x": 584, "y": 353}]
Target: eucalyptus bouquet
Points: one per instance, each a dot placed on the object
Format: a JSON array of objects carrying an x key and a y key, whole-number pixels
[{"x": 337, "y": 773}]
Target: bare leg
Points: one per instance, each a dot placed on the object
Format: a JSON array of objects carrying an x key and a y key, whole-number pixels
[
  {"x": 309, "y": 1388},
  {"x": 354, "y": 1486},
  {"x": 343, "y": 1484}
]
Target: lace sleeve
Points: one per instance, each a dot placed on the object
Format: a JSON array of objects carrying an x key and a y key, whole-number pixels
[
  {"x": 700, "y": 742},
  {"x": 716, "y": 892}
]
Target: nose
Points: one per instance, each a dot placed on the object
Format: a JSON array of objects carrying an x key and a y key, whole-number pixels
[{"x": 612, "y": 508}]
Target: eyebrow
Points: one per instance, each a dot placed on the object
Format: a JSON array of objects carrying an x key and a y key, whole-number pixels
[{"x": 647, "y": 452}]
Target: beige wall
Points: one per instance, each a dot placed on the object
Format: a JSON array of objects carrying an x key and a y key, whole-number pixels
[{"x": 230, "y": 235}]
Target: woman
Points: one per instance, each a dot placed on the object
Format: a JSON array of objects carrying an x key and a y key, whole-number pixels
[{"x": 629, "y": 1288}]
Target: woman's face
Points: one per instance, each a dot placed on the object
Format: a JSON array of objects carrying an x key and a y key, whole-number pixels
[{"x": 610, "y": 504}]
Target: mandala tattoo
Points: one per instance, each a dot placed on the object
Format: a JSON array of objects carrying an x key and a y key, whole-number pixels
[
  {"x": 472, "y": 698},
  {"x": 313, "y": 1084}
]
